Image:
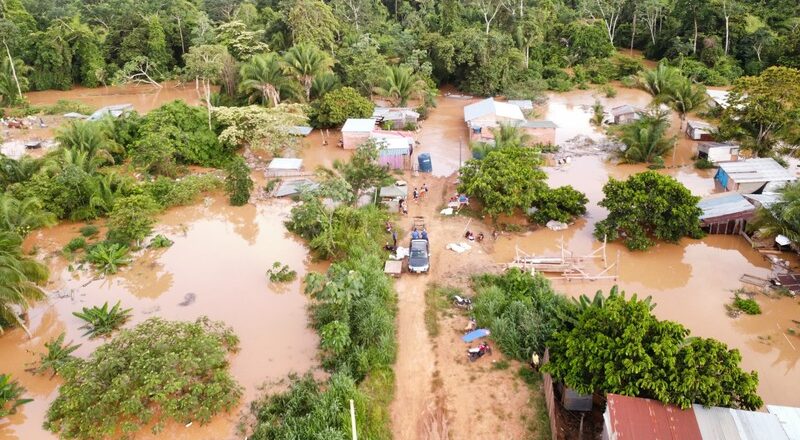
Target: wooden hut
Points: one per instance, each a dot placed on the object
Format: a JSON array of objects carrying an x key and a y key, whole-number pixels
[
  {"x": 395, "y": 148},
  {"x": 726, "y": 213},
  {"x": 482, "y": 116},
  {"x": 716, "y": 152},
  {"x": 541, "y": 132},
  {"x": 699, "y": 130},
  {"x": 625, "y": 113},
  {"x": 762, "y": 175}
]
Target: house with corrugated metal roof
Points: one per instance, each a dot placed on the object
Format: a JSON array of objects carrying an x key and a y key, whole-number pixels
[
  {"x": 637, "y": 418},
  {"x": 726, "y": 213},
  {"x": 699, "y": 130},
  {"x": 356, "y": 131},
  {"x": 482, "y": 116},
  {"x": 626, "y": 113},
  {"x": 716, "y": 152},
  {"x": 753, "y": 176}
]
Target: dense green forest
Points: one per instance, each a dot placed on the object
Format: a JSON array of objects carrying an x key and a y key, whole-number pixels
[{"x": 515, "y": 47}]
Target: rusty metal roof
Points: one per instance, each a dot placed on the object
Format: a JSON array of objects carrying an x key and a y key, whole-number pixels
[{"x": 633, "y": 418}]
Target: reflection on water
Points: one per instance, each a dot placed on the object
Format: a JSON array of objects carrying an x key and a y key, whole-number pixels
[{"x": 220, "y": 257}]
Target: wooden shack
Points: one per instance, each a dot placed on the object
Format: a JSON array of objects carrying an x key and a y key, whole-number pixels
[
  {"x": 699, "y": 130},
  {"x": 753, "y": 176},
  {"x": 356, "y": 131},
  {"x": 625, "y": 113},
  {"x": 726, "y": 213},
  {"x": 716, "y": 152}
]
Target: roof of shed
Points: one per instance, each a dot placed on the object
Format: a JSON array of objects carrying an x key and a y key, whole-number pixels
[
  {"x": 757, "y": 170},
  {"x": 524, "y": 104},
  {"x": 705, "y": 146},
  {"x": 731, "y": 424},
  {"x": 394, "y": 112},
  {"x": 634, "y": 418},
  {"x": 394, "y": 191},
  {"x": 292, "y": 187},
  {"x": 285, "y": 163},
  {"x": 719, "y": 96},
  {"x": 490, "y": 106},
  {"x": 624, "y": 110},
  {"x": 699, "y": 124},
  {"x": 724, "y": 204},
  {"x": 299, "y": 130},
  {"x": 789, "y": 418},
  {"x": 538, "y": 124},
  {"x": 359, "y": 125}
]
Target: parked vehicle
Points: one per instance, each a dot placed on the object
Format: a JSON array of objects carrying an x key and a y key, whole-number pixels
[
  {"x": 462, "y": 302},
  {"x": 476, "y": 353},
  {"x": 419, "y": 256}
]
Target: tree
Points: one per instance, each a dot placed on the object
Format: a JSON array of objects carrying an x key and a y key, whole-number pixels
[
  {"x": 312, "y": 22},
  {"x": 13, "y": 81},
  {"x": 781, "y": 217},
  {"x": 260, "y": 128},
  {"x": 305, "y": 62},
  {"x": 685, "y": 97},
  {"x": 132, "y": 219},
  {"x": 336, "y": 107},
  {"x": 561, "y": 204},
  {"x": 358, "y": 13},
  {"x": 508, "y": 135},
  {"x": 205, "y": 64},
  {"x": 616, "y": 345},
  {"x": 659, "y": 81},
  {"x": 645, "y": 140},
  {"x": 242, "y": 43},
  {"x": 263, "y": 79},
  {"x": 23, "y": 216},
  {"x": 362, "y": 65},
  {"x": 363, "y": 171},
  {"x": 505, "y": 180},
  {"x": 400, "y": 84},
  {"x": 762, "y": 110},
  {"x": 488, "y": 10},
  {"x": 238, "y": 183},
  {"x": 20, "y": 278},
  {"x": 93, "y": 139},
  {"x": 653, "y": 13},
  {"x": 607, "y": 11},
  {"x": 139, "y": 70},
  {"x": 173, "y": 370},
  {"x": 648, "y": 205}
]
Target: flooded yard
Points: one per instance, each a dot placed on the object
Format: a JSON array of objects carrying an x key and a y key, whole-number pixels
[{"x": 215, "y": 268}]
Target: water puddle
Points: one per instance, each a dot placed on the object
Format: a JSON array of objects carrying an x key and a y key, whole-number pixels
[{"x": 216, "y": 268}]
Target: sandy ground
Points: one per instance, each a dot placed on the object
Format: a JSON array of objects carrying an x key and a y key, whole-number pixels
[{"x": 438, "y": 393}]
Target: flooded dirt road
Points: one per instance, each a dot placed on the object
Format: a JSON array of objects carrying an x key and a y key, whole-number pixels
[{"x": 215, "y": 268}]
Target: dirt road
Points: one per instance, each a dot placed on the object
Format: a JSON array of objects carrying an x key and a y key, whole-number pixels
[{"x": 438, "y": 394}]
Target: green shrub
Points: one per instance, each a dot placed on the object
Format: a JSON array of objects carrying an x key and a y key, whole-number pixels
[
  {"x": 10, "y": 395},
  {"x": 560, "y": 204},
  {"x": 703, "y": 163},
  {"x": 281, "y": 273},
  {"x": 338, "y": 105},
  {"x": 63, "y": 106},
  {"x": 238, "y": 183},
  {"x": 57, "y": 356},
  {"x": 185, "y": 191},
  {"x": 746, "y": 305},
  {"x": 75, "y": 244},
  {"x": 559, "y": 84},
  {"x": 155, "y": 373},
  {"x": 132, "y": 219},
  {"x": 108, "y": 257},
  {"x": 608, "y": 90},
  {"x": 89, "y": 230},
  {"x": 102, "y": 321},
  {"x": 160, "y": 241}
]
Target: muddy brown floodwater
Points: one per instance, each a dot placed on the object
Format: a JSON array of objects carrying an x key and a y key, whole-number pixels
[
  {"x": 215, "y": 268},
  {"x": 143, "y": 97}
]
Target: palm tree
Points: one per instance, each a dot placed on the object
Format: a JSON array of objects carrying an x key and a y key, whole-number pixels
[
  {"x": 782, "y": 217},
  {"x": 507, "y": 135},
  {"x": 105, "y": 189},
  {"x": 21, "y": 217},
  {"x": 323, "y": 84},
  {"x": 20, "y": 170},
  {"x": 20, "y": 278},
  {"x": 9, "y": 93},
  {"x": 305, "y": 62},
  {"x": 92, "y": 139},
  {"x": 598, "y": 114},
  {"x": 686, "y": 97},
  {"x": 645, "y": 139},
  {"x": 400, "y": 84},
  {"x": 263, "y": 79},
  {"x": 659, "y": 81}
]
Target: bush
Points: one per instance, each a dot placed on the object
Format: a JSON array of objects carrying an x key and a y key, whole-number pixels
[
  {"x": 746, "y": 305},
  {"x": 10, "y": 395},
  {"x": 172, "y": 371},
  {"x": 102, "y": 321},
  {"x": 337, "y": 106},
  {"x": 89, "y": 230},
  {"x": 608, "y": 90},
  {"x": 108, "y": 257},
  {"x": 238, "y": 183},
  {"x": 185, "y": 191},
  {"x": 75, "y": 244},
  {"x": 160, "y": 241},
  {"x": 132, "y": 219},
  {"x": 281, "y": 273},
  {"x": 560, "y": 204},
  {"x": 703, "y": 163},
  {"x": 63, "y": 106}
]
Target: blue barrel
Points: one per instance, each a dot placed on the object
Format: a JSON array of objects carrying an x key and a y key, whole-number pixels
[{"x": 425, "y": 165}]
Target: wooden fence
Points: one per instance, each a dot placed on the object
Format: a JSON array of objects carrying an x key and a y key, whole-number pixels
[{"x": 550, "y": 398}]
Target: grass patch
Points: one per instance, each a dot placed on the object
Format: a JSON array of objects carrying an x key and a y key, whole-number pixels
[
  {"x": 501, "y": 365},
  {"x": 746, "y": 305},
  {"x": 379, "y": 389},
  {"x": 436, "y": 301}
]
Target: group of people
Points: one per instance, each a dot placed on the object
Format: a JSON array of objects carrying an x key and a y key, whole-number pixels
[
  {"x": 472, "y": 237},
  {"x": 416, "y": 234},
  {"x": 420, "y": 193}
]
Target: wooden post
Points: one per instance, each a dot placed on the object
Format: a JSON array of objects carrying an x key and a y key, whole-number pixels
[
  {"x": 13, "y": 69},
  {"x": 353, "y": 419}
]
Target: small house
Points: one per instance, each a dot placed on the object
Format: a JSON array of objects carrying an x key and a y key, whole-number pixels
[
  {"x": 726, "y": 213},
  {"x": 699, "y": 130},
  {"x": 114, "y": 111},
  {"x": 396, "y": 118},
  {"x": 789, "y": 418},
  {"x": 395, "y": 148},
  {"x": 625, "y": 113},
  {"x": 636, "y": 418},
  {"x": 482, "y": 116},
  {"x": 294, "y": 187},
  {"x": 390, "y": 196},
  {"x": 284, "y": 166},
  {"x": 753, "y": 176},
  {"x": 541, "y": 132},
  {"x": 717, "y": 98},
  {"x": 716, "y": 152},
  {"x": 356, "y": 131}
]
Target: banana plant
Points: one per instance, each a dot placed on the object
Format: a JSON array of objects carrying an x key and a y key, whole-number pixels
[
  {"x": 102, "y": 321},
  {"x": 58, "y": 355},
  {"x": 10, "y": 395},
  {"x": 107, "y": 258}
]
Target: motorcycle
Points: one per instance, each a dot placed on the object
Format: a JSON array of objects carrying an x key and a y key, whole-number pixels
[
  {"x": 476, "y": 353},
  {"x": 462, "y": 302}
]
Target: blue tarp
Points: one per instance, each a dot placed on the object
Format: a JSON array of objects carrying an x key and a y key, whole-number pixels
[
  {"x": 476, "y": 334},
  {"x": 722, "y": 177}
]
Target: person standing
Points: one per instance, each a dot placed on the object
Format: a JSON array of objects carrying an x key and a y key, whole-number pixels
[
  {"x": 394, "y": 237},
  {"x": 416, "y": 195}
]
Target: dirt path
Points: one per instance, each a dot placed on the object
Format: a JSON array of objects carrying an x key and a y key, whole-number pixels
[{"x": 438, "y": 394}]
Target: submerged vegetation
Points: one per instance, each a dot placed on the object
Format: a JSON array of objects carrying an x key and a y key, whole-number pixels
[{"x": 102, "y": 321}]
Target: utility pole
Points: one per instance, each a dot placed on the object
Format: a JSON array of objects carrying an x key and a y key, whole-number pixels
[{"x": 353, "y": 419}]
